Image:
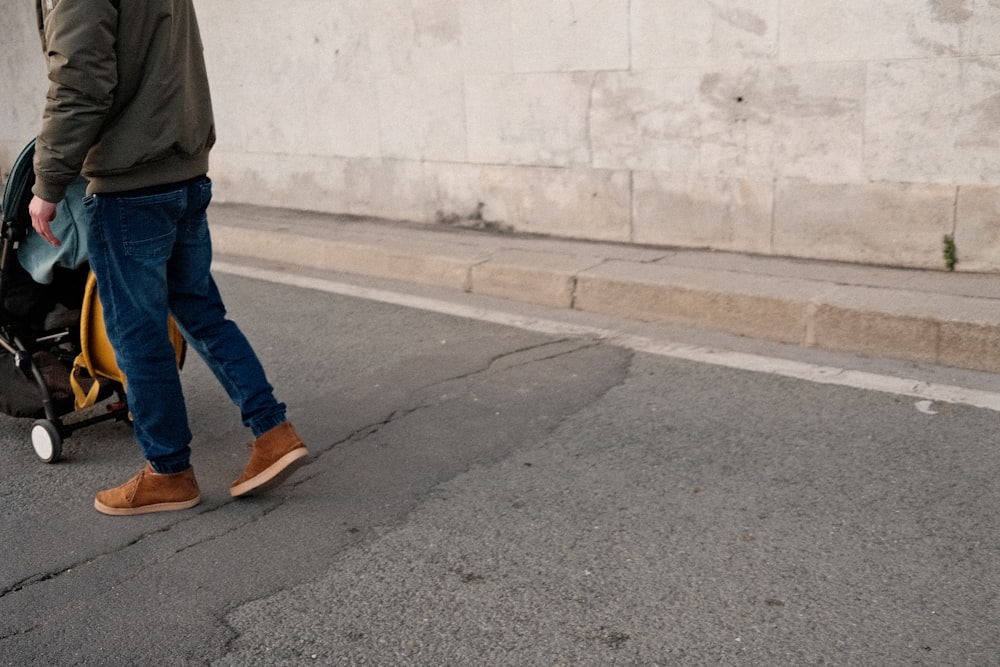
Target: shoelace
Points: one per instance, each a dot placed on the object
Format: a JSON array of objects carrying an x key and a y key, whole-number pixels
[{"x": 134, "y": 488}]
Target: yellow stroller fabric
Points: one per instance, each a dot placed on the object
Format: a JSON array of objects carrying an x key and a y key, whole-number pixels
[{"x": 97, "y": 358}]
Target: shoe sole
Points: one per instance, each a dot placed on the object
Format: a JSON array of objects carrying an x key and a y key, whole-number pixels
[
  {"x": 146, "y": 509},
  {"x": 273, "y": 475}
]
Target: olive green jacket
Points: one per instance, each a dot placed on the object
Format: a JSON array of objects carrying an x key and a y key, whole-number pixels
[{"x": 128, "y": 104}]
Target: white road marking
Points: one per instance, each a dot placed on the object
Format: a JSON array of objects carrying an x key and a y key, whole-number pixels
[{"x": 928, "y": 392}]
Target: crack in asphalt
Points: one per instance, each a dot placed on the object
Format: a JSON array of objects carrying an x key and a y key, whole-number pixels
[
  {"x": 48, "y": 576},
  {"x": 497, "y": 359}
]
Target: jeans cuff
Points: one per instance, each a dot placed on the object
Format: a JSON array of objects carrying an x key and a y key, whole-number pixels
[
  {"x": 265, "y": 423},
  {"x": 171, "y": 464}
]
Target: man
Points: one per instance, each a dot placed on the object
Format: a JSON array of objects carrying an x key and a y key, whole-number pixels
[{"x": 129, "y": 106}]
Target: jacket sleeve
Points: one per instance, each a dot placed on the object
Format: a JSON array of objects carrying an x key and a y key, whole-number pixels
[{"x": 78, "y": 38}]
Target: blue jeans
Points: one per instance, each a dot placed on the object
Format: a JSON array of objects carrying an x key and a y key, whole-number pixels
[{"x": 151, "y": 254}]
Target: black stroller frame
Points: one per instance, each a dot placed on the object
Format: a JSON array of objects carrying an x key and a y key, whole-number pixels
[{"x": 21, "y": 345}]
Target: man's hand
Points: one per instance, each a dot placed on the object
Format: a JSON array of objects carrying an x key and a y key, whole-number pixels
[{"x": 42, "y": 213}]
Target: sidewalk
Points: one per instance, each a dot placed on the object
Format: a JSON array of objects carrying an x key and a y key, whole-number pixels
[{"x": 951, "y": 319}]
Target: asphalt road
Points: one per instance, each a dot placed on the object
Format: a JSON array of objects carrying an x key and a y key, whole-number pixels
[{"x": 484, "y": 494}]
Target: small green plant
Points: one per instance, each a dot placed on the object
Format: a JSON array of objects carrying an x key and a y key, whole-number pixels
[{"x": 950, "y": 252}]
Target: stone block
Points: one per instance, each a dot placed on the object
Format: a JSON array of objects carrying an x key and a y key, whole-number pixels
[
  {"x": 24, "y": 79},
  {"x": 710, "y": 123},
  {"x": 819, "y": 121},
  {"x": 315, "y": 183},
  {"x": 969, "y": 345},
  {"x": 764, "y": 307},
  {"x": 945, "y": 329},
  {"x": 390, "y": 189},
  {"x": 546, "y": 279},
  {"x": 861, "y": 30},
  {"x": 646, "y": 120},
  {"x": 977, "y": 230},
  {"x": 575, "y": 203},
  {"x": 977, "y": 132},
  {"x": 876, "y": 322},
  {"x": 421, "y": 263},
  {"x": 567, "y": 36},
  {"x": 457, "y": 194},
  {"x": 387, "y": 188},
  {"x": 417, "y": 61},
  {"x": 737, "y": 107},
  {"x": 978, "y": 23},
  {"x": 409, "y": 37},
  {"x": 304, "y": 84},
  {"x": 804, "y": 121},
  {"x": 487, "y": 37},
  {"x": 421, "y": 116},
  {"x": 686, "y": 34},
  {"x": 934, "y": 121},
  {"x": 528, "y": 119},
  {"x": 894, "y": 224},
  {"x": 688, "y": 211}
]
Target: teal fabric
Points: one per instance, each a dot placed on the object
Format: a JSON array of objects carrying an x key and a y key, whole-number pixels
[{"x": 39, "y": 258}]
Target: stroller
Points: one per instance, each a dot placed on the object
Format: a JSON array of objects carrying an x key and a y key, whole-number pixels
[{"x": 55, "y": 359}]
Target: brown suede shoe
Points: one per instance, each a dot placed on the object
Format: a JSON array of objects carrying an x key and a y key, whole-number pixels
[
  {"x": 276, "y": 455},
  {"x": 149, "y": 491}
]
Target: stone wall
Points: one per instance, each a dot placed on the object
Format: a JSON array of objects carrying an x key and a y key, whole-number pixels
[{"x": 838, "y": 129}]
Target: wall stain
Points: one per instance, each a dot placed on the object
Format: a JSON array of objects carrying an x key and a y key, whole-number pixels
[
  {"x": 950, "y": 11},
  {"x": 936, "y": 48},
  {"x": 798, "y": 104},
  {"x": 982, "y": 124},
  {"x": 741, "y": 98},
  {"x": 741, "y": 19}
]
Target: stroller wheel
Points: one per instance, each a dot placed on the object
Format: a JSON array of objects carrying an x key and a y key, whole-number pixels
[{"x": 46, "y": 440}]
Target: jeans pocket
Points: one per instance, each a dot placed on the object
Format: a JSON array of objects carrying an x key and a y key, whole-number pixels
[
  {"x": 195, "y": 227},
  {"x": 205, "y": 192},
  {"x": 149, "y": 224}
]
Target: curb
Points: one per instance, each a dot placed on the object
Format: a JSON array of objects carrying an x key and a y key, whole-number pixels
[{"x": 914, "y": 315}]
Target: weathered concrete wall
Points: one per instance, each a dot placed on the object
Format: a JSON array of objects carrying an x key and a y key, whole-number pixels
[{"x": 841, "y": 129}]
